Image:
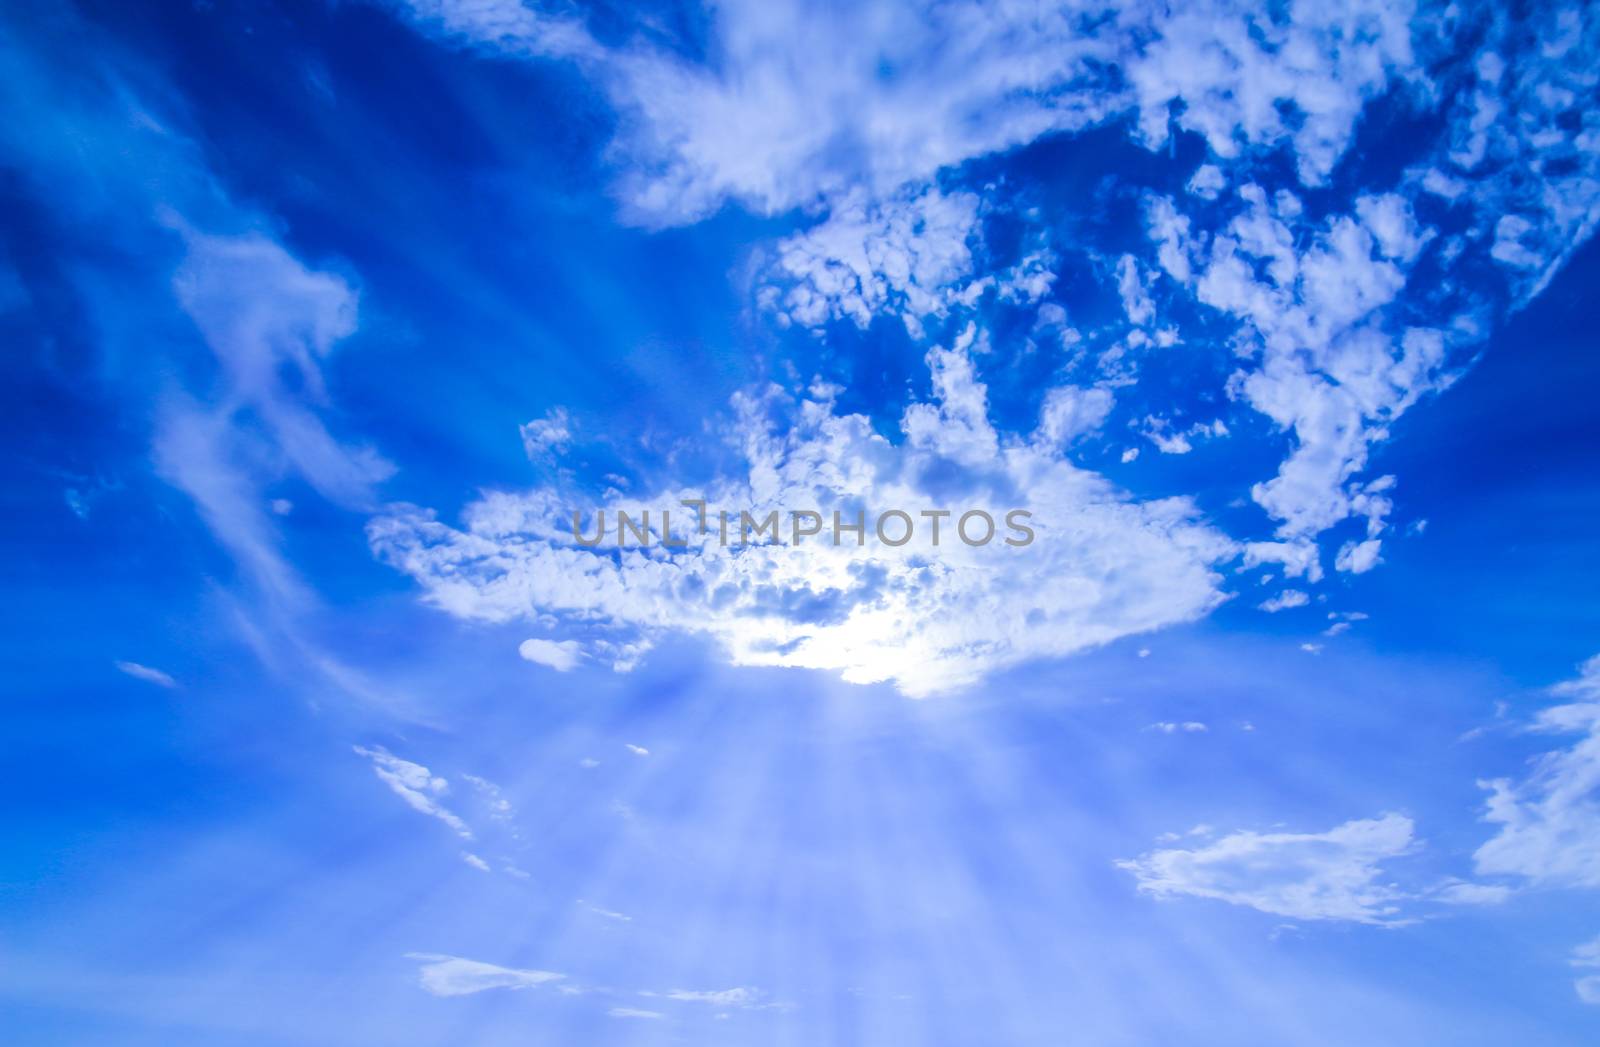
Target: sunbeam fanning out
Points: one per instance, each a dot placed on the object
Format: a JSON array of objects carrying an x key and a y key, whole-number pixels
[{"x": 948, "y": 523}]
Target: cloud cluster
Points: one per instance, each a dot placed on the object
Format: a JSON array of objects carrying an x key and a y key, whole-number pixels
[
  {"x": 1104, "y": 565},
  {"x": 860, "y": 112}
]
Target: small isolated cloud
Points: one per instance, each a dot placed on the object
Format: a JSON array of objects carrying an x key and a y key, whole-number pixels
[
  {"x": 1285, "y": 600},
  {"x": 632, "y": 1012},
  {"x": 1207, "y": 182},
  {"x": 545, "y": 438},
  {"x": 588, "y": 763},
  {"x": 474, "y": 861},
  {"x": 723, "y": 1000},
  {"x": 609, "y": 914},
  {"x": 1311, "y": 648},
  {"x": 560, "y": 655},
  {"x": 739, "y": 997},
  {"x": 454, "y": 976},
  {"x": 1461, "y": 892},
  {"x": 1332, "y": 875},
  {"x": 414, "y": 784},
  {"x": 637, "y": 750},
  {"x": 1167, "y": 727},
  {"x": 147, "y": 674}
]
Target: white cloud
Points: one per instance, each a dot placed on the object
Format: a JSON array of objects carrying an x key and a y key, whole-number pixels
[
  {"x": 1070, "y": 412},
  {"x": 1550, "y": 819},
  {"x": 637, "y": 750},
  {"x": 147, "y": 674},
  {"x": 1102, "y": 565},
  {"x": 454, "y": 976},
  {"x": 1461, "y": 892},
  {"x": 500, "y": 808},
  {"x": 908, "y": 256},
  {"x": 560, "y": 655},
  {"x": 1358, "y": 557},
  {"x": 1208, "y": 182},
  {"x": 1334, "y": 875},
  {"x": 1523, "y": 149},
  {"x": 414, "y": 784},
  {"x": 1136, "y": 303},
  {"x": 739, "y": 997},
  {"x": 1168, "y": 727},
  {"x": 609, "y": 914},
  {"x": 545, "y": 438},
  {"x": 265, "y": 316},
  {"x": 1299, "y": 558},
  {"x": 856, "y": 115},
  {"x": 1238, "y": 70},
  {"x": 797, "y": 107},
  {"x": 1285, "y": 600},
  {"x": 1587, "y": 956},
  {"x": 474, "y": 861},
  {"x": 633, "y": 1012}
]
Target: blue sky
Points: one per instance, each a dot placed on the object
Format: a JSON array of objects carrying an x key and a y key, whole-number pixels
[{"x": 322, "y": 320}]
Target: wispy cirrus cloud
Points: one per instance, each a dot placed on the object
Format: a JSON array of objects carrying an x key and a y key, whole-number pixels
[
  {"x": 422, "y": 790},
  {"x": 1332, "y": 875},
  {"x": 444, "y": 975},
  {"x": 147, "y": 674}
]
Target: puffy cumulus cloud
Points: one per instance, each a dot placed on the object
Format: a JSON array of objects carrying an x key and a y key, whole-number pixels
[
  {"x": 1327, "y": 302},
  {"x": 1550, "y": 818},
  {"x": 1299, "y": 559},
  {"x": 1070, "y": 412},
  {"x": 415, "y": 784},
  {"x": 1329, "y": 366},
  {"x": 1358, "y": 557},
  {"x": 1285, "y": 600},
  {"x": 906, "y": 255},
  {"x": 1334, "y": 875},
  {"x": 1345, "y": 306},
  {"x": 1522, "y": 153},
  {"x": 1250, "y": 74},
  {"x": 1102, "y": 565},
  {"x": 543, "y": 439},
  {"x": 444, "y": 975},
  {"x": 918, "y": 255}
]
